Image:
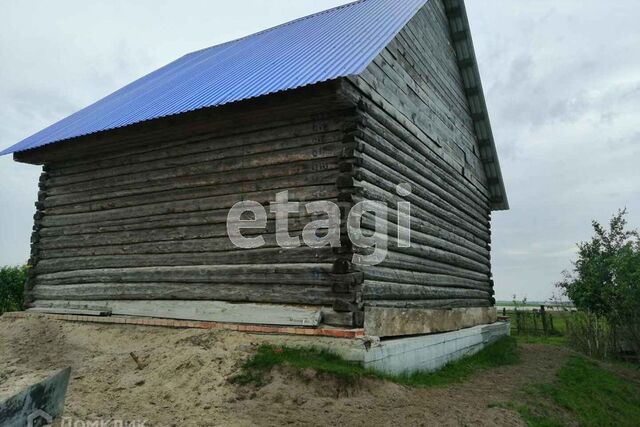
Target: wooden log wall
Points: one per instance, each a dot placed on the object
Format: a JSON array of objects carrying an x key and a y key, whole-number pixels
[
  {"x": 146, "y": 218},
  {"x": 415, "y": 127}
]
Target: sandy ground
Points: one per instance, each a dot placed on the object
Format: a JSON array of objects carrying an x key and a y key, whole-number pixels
[{"x": 186, "y": 381}]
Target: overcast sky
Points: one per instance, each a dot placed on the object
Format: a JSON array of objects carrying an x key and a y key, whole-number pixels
[{"x": 562, "y": 82}]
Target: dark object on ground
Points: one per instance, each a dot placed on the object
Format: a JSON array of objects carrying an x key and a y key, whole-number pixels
[{"x": 37, "y": 404}]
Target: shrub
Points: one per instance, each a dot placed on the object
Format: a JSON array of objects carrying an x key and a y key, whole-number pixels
[
  {"x": 590, "y": 334},
  {"x": 12, "y": 280},
  {"x": 605, "y": 284}
]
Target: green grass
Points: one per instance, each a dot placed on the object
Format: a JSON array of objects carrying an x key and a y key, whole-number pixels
[
  {"x": 502, "y": 352},
  {"x": 590, "y": 394}
]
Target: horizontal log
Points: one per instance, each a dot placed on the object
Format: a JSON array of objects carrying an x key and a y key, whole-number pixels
[
  {"x": 321, "y": 177},
  {"x": 256, "y": 140},
  {"x": 400, "y": 261},
  {"x": 296, "y": 274},
  {"x": 165, "y": 234},
  {"x": 322, "y": 151},
  {"x": 384, "y": 274},
  {"x": 393, "y": 164},
  {"x": 422, "y": 210},
  {"x": 423, "y": 251},
  {"x": 425, "y": 201},
  {"x": 402, "y": 138},
  {"x": 178, "y": 187},
  {"x": 203, "y": 204},
  {"x": 451, "y": 154},
  {"x": 152, "y": 222},
  {"x": 209, "y": 311},
  {"x": 373, "y": 290},
  {"x": 219, "y": 244},
  {"x": 475, "y": 253},
  {"x": 420, "y": 114},
  {"x": 240, "y": 256},
  {"x": 434, "y": 304},
  {"x": 266, "y": 293}
]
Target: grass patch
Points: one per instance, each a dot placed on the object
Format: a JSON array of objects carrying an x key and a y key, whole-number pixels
[
  {"x": 502, "y": 352},
  {"x": 267, "y": 357},
  {"x": 593, "y": 396}
]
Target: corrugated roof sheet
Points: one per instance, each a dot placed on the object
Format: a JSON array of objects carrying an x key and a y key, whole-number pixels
[{"x": 335, "y": 43}]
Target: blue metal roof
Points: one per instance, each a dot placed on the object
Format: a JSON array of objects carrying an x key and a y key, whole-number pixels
[{"x": 335, "y": 43}]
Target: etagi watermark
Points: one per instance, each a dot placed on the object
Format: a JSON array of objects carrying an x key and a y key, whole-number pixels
[{"x": 325, "y": 231}]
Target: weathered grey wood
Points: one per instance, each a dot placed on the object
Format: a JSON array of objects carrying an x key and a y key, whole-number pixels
[
  {"x": 257, "y": 293},
  {"x": 449, "y": 141},
  {"x": 309, "y": 131},
  {"x": 296, "y": 274},
  {"x": 321, "y": 151},
  {"x": 368, "y": 191},
  {"x": 320, "y": 192},
  {"x": 424, "y": 233},
  {"x": 386, "y": 274},
  {"x": 75, "y": 311},
  {"x": 447, "y": 218},
  {"x": 333, "y": 318},
  {"x": 386, "y": 136},
  {"x": 219, "y": 244},
  {"x": 210, "y": 311},
  {"x": 374, "y": 290},
  {"x": 162, "y": 234},
  {"x": 185, "y": 187},
  {"x": 274, "y": 255},
  {"x": 397, "y": 260},
  {"x": 430, "y": 150},
  {"x": 429, "y": 304},
  {"x": 419, "y": 250},
  {"x": 408, "y": 171}
]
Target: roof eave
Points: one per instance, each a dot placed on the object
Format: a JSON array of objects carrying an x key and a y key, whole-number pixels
[{"x": 463, "y": 45}]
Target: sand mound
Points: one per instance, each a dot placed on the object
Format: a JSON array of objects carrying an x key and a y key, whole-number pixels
[{"x": 184, "y": 381}]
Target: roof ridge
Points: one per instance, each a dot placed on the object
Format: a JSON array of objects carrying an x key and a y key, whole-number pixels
[{"x": 284, "y": 24}]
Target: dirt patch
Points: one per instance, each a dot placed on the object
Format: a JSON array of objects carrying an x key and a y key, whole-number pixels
[{"x": 185, "y": 376}]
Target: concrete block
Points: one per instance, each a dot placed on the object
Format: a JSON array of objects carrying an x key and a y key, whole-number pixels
[{"x": 431, "y": 352}]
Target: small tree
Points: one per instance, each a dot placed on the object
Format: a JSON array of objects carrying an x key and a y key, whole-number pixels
[
  {"x": 12, "y": 280},
  {"x": 605, "y": 281}
]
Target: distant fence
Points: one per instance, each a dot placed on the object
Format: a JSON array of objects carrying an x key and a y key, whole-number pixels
[{"x": 533, "y": 322}]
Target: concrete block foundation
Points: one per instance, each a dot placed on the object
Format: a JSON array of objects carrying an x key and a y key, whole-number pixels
[
  {"x": 431, "y": 352},
  {"x": 407, "y": 354}
]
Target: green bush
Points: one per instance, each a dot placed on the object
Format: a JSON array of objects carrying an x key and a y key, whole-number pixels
[
  {"x": 12, "y": 280},
  {"x": 605, "y": 284}
]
